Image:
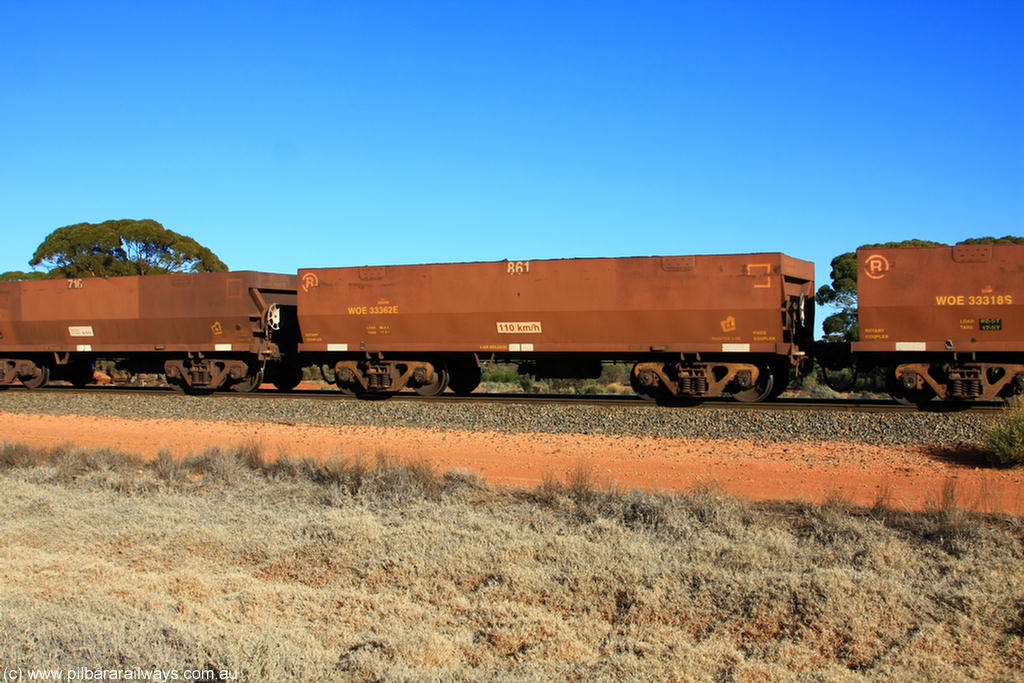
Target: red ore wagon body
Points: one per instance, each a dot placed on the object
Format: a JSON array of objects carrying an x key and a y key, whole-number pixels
[
  {"x": 693, "y": 325},
  {"x": 944, "y": 321},
  {"x": 202, "y": 330}
]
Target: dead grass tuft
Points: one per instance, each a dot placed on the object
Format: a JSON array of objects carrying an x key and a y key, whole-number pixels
[
  {"x": 68, "y": 464},
  {"x": 217, "y": 465},
  {"x": 168, "y": 468},
  {"x": 549, "y": 490},
  {"x": 455, "y": 482},
  {"x": 13, "y": 455},
  {"x": 709, "y": 505},
  {"x": 580, "y": 481},
  {"x": 952, "y": 527},
  {"x": 883, "y": 499},
  {"x": 283, "y": 468},
  {"x": 644, "y": 511},
  {"x": 392, "y": 483},
  {"x": 72, "y": 463},
  {"x": 348, "y": 474},
  {"x": 252, "y": 454}
]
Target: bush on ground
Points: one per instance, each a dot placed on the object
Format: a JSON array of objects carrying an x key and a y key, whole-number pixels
[{"x": 1004, "y": 442}]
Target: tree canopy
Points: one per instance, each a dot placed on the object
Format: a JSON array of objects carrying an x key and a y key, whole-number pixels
[
  {"x": 1008, "y": 239},
  {"x": 118, "y": 247},
  {"x": 842, "y": 293}
]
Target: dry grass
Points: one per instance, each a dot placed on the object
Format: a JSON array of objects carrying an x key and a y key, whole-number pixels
[{"x": 369, "y": 570}]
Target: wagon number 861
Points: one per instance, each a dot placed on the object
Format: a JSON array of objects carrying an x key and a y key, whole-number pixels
[{"x": 518, "y": 267}]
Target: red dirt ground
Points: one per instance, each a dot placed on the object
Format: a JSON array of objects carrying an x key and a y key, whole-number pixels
[{"x": 905, "y": 478}]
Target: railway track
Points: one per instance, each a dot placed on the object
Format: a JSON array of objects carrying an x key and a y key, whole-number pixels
[
  {"x": 864, "y": 421},
  {"x": 880, "y": 405}
]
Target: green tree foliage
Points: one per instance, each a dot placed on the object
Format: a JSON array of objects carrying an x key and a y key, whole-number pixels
[
  {"x": 16, "y": 275},
  {"x": 842, "y": 293},
  {"x": 121, "y": 247},
  {"x": 1008, "y": 239}
]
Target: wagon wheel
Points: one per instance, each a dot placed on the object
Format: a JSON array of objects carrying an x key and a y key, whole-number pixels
[
  {"x": 904, "y": 396},
  {"x": 80, "y": 374},
  {"x": 762, "y": 388},
  {"x": 465, "y": 379},
  {"x": 38, "y": 379},
  {"x": 286, "y": 379},
  {"x": 251, "y": 382},
  {"x": 349, "y": 388},
  {"x": 438, "y": 385},
  {"x": 648, "y": 393}
]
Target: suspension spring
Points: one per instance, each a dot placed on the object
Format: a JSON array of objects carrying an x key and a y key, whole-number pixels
[{"x": 693, "y": 385}]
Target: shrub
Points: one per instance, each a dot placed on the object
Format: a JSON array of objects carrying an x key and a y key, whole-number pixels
[
  {"x": 528, "y": 386},
  {"x": 614, "y": 373},
  {"x": 1004, "y": 440},
  {"x": 503, "y": 373}
]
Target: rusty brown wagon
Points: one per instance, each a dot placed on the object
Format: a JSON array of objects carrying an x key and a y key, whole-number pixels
[
  {"x": 692, "y": 326},
  {"x": 944, "y": 322},
  {"x": 203, "y": 331}
]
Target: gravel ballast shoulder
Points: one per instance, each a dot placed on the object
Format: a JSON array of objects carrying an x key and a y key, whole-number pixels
[{"x": 704, "y": 422}]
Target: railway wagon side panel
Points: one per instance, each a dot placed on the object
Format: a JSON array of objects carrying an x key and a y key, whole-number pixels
[
  {"x": 68, "y": 315},
  {"x": 944, "y": 322},
  {"x": 218, "y": 311},
  {"x": 187, "y": 312},
  {"x": 623, "y": 305},
  {"x": 204, "y": 331},
  {"x": 966, "y": 298}
]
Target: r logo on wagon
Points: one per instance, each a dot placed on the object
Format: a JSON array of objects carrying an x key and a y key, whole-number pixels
[{"x": 876, "y": 266}]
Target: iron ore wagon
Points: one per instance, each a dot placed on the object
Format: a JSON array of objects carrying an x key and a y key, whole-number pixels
[
  {"x": 204, "y": 331},
  {"x": 692, "y": 326},
  {"x": 943, "y": 321}
]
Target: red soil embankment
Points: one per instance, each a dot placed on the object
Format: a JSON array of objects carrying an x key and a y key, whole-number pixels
[{"x": 904, "y": 477}]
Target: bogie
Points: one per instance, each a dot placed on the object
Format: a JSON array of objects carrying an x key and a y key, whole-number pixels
[
  {"x": 746, "y": 382},
  {"x": 380, "y": 377}
]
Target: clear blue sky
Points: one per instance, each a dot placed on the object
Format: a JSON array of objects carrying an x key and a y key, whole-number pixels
[{"x": 295, "y": 134}]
